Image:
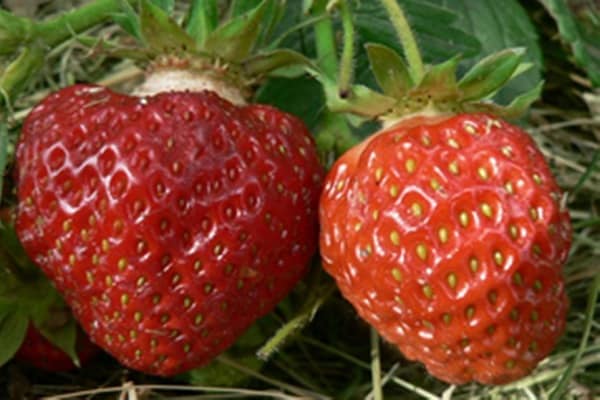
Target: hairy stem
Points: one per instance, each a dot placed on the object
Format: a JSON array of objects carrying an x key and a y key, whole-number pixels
[
  {"x": 334, "y": 134},
  {"x": 407, "y": 38},
  {"x": 57, "y": 30},
  {"x": 347, "y": 60},
  {"x": 375, "y": 366},
  {"x": 325, "y": 42}
]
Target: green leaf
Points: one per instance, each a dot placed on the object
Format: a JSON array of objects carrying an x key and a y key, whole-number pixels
[
  {"x": 12, "y": 333},
  {"x": 239, "y": 7},
  {"x": 234, "y": 40},
  {"x": 21, "y": 71},
  {"x": 274, "y": 60},
  {"x": 11, "y": 245},
  {"x": 166, "y": 5},
  {"x": 161, "y": 33},
  {"x": 521, "y": 103},
  {"x": 489, "y": 74},
  {"x": 64, "y": 336},
  {"x": 499, "y": 25},
  {"x": 592, "y": 167},
  {"x": 438, "y": 31},
  {"x": 3, "y": 153},
  {"x": 129, "y": 20},
  {"x": 277, "y": 91},
  {"x": 203, "y": 18},
  {"x": 515, "y": 109},
  {"x": 14, "y": 32},
  {"x": 389, "y": 69},
  {"x": 583, "y": 35}
]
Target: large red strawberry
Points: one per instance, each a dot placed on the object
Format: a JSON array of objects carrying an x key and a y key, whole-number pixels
[
  {"x": 39, "y": 352},
  {"x": 446, "y": 229},
  {"x": 169, "y": 222},
  {"x": 173, "y": 219}
]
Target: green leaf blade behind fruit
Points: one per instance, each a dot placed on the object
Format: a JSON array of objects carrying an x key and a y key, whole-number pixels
[
  {"x": 499, "y": 25},
  {"x": 583, "y": 35},
  {"x": 13, "y": 327}
]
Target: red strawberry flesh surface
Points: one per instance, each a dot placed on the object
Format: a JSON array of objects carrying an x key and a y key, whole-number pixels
[
  {"x": 171, "y": 222},
  {"x": 448, "y": 236}
]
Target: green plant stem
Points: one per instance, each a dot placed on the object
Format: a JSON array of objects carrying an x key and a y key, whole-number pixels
[
  {"x": 375, "y": 366},
  {"x": 57, "y": 30},
  {"x": 407, "y": 38},
  {"x": 17, "y": 74},
  {"x": 347, "y": 60},
  {"x": 334, "y": 134},
  {"x": 591, "y": 308},
  {"x": 325, "y": 42}
]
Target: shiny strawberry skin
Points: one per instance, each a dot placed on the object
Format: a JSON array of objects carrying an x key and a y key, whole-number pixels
[
  {"x": 170, "y": 223},
  {"x": 37, "y": 351},
  {"x": 447, "y": 235}
]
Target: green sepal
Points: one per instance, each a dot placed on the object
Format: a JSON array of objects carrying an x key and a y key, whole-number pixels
[
  {"x": 389, "y": 69},
  {"x": 161, "y": 33},
  {"x": 203, "y": 18},
  {"x": 13, "y": 327},
  {"x": 14, "y": 32},
  {"x": 439, "y": 81},
  {"x": 272, "y": 61},
  {"x": 234, "y": 40},
  {"x": 489, "y": 74},
  {"x": 362, "y": 100},
  {"x": 21, "y": 70},
  {"x": 166, "y": 5},
  {"x": 515, "y": 109},
  {"x": 128, "y": 19},
  {"x": 273, "y": 16},
  {"x": 63, "y": 336}
]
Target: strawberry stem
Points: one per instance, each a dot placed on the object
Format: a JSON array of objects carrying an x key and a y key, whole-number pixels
[
  {"x": 407, "y": 38},
  {"x": 325, "y": 43},
  {"x": 57, "y": 30},
  {"x": 375, "y": 366},
  {"x": 334, "y": 134},
  {"x": 347, "y": 60}
]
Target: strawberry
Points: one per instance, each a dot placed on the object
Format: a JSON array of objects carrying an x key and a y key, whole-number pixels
[
  {"x": 169, "y": 222},
  {"x": 39, "y": 352},
  {"x": 447, "y": 234}
]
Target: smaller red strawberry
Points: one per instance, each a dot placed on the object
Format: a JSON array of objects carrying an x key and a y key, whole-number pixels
[
  {"x": 39, "y": 352},
  {"x": 448, "y": 236},
  {"x": 446, "y": 229}
]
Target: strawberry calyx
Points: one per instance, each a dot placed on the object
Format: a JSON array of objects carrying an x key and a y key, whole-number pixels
[
  {"x": 410, "y": 88},
  {"x": 229, "y": 56}
]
